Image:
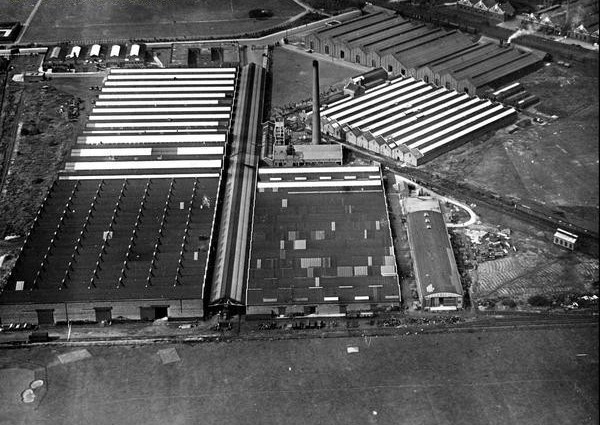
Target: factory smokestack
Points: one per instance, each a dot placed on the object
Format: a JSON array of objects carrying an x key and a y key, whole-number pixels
[{"x": 316, "y": 116}]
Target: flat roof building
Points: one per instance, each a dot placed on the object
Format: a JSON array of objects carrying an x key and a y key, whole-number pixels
[{"x": 321, "y": 243}]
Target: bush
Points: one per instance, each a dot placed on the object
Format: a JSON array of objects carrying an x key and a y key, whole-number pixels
[
  {"x": 539, "y": 301},
  {"x": 509, "y": 302},
  {"x": 260, "y": 13}
]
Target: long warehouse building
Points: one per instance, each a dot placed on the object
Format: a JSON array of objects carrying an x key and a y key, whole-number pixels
[
  {"x": 127, "y": 229},
  {"x": 411, "y": 121},
  {"x": 410, "y": 48}
]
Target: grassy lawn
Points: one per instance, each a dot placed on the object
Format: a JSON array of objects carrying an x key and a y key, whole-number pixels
[
  {"x": 15, "y": 10},
  {"x": 520, "y": 377},
  {"x": 292, "y": 75},
  {"x": 58, "y": 20}
]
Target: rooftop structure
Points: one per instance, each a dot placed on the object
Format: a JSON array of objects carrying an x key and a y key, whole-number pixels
[
  {"x": 410, "y": 120},
  {"x": 436, "y": 274},
  {"x": 403, "y": 47},
  {"x": 126, "y": 230},
  {"x": 300, "y": 155},
  {"x": 321, "y": 243}
]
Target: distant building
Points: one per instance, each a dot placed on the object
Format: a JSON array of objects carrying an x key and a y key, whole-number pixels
[
  {"x": 565, "y": 239},
  {"x": 489, "y": 9},
  {"x": 437, "y": 278}
]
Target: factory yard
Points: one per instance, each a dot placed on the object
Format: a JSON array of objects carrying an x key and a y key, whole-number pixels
[
  {"x": 59, "y": 20},
  {"x": 544, "y": 376}
]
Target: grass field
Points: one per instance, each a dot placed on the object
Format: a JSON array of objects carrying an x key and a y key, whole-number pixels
[
  {"x": 556, "y": 163},
  {"x": 73, "y": 20},
  {"x": 520, "y": 377},
  {"x": 292, "y": 75},
  {"x": 15, "y": 10}
]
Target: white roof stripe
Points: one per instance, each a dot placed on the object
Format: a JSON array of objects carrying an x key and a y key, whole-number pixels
[
  {"x": 147, "y": 77},
  {"x": 176, "y": 90},
  {"x": 179, "y": 124},
  {"x": 142, "y": 138},
  {"x": 320, "y": 183},
  {"x": 157, "y": 117},
  {"x": 177, "y": 96},
  {"x": 152, "y": 109},
  {"x": 158, "y": 83},
  {"x": 169, "y": 70},
  {"x": 467, "y": 131},
  {"x": 319, "y": 170},
  {"x": 142, "y": 165},
  {"x": 141, "y": 176},
  {"x": 154, "y": 102}
]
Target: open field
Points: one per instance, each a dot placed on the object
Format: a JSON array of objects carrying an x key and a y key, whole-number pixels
[
  {"x": 74, "y": 20},
  {"x": 16, "y": 10},
  {"x": 555, "y": 163},
  {"x": 292, "y": 75},
  {"x": 519, "y": 377}
]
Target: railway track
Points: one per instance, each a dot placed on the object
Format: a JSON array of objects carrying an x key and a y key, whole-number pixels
[{"x": 530, "y": 212}]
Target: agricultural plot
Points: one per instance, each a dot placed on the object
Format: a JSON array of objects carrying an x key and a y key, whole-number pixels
[{"x": 76, "y": 21}]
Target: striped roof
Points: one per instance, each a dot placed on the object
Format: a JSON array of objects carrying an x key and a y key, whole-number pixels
[{"x": 419, "y": 115}]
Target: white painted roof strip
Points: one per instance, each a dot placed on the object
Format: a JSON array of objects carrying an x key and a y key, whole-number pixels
[
  {"x": 385, "y": 106},
  {"x": 156, "y": 102},
  {"x": 152, "y": 131},
  {"x": 169, "y": 70},
  {"x": 177, "y": 96},
  {"x": 398, "y": 89},
  {"x": 134, "y": 85},
  {"x": 152, "y": 109},
  {"x": 497, "y": 92},
  {"x": 143, "y": 165},
  {"x": 398, "y": 108},
  {"x": 467, "y": 131},
  {"x": 321, "y": 183},
  {"x": 200, "y": 150},
  {"x": 165, "y": 89},
  {"x": 112, "y": 152},
  {"x": 166, "y": 138},
  {"x": 318, "y": 170},
  {"x": 357, "y": 100},
  {"x": 179, "y": 124},
  {"x": 157, "y": 117},
  {"x": 147, "y": 77},
  {"x": 442, "y": 100},
  {"x": 436, "y": 116},
  {"x": 444, "y": 123},
  {"x": 140, "y": 176}
]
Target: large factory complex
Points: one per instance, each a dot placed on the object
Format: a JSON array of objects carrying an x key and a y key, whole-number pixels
[{"x": 166, "y": 209}]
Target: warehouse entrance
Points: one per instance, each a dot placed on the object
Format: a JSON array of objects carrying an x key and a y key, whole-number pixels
[{"x": 154, "y": 312}]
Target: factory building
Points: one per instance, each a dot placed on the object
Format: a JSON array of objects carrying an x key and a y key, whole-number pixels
[
  {"x": 491, "y": 10},
  {"x": 64, "y": 56},
  {"x": 436, "y": 273},
  {"x": 407, "y": 48},
  {"x": 411, "y": 121},
  {"x": 126, "y": 230},
  {"x": 321, "y": 243}
]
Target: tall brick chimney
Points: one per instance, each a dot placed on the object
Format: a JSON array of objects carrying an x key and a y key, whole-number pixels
[{"x": 316, "y": 116}]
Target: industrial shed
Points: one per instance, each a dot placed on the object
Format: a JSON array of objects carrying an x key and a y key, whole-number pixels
[
  {"x": 321, "y": 243},
  {"x": 408, "y": 48},
  {"x": 411, "y": 121},
  {"x": 436, "y": 274},
  {"x": 126, "y": 229}
]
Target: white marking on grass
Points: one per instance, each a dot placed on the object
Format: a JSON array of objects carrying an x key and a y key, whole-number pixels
[
  {"x": 352, "y": 349},
  {"x": 168, "y": 355},
  {"x": 74, "y": 356}
]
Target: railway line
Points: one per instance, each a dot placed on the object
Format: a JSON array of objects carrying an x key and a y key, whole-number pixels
[{"x": 537, "y": 215}]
